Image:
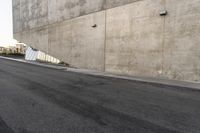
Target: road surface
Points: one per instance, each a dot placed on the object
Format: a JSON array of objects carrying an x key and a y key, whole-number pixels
[{"x": 35, "y": 99}]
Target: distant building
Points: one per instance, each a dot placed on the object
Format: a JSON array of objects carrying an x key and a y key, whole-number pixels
[
  {"x": 1, "y": 50},
  {"x": 19, "y": 48}
]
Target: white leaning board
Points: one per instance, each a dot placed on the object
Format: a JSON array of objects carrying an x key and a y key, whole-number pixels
[{"x": 34, "y": 55}]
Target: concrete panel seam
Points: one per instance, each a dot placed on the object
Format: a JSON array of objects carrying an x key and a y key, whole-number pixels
[
  {"x": 105, "y": 44},
  {"x": 163, "y": 41}
]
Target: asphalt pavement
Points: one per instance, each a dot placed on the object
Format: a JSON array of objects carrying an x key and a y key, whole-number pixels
[{"x": 35, "y": 99}]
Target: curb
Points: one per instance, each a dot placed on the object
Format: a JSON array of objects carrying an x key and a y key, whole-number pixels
[
  {"x": 167, "y": 82},
  {"x": 175, "y": 83}
]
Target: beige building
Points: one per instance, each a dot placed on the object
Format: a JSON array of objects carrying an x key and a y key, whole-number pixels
[
  {"x": 1, "y": 49},
  {"x": 151, "y": 38},
  {"x": 20, "y": 48}
]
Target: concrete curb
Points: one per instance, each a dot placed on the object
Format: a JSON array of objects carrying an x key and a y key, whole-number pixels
[
  {"x": 35, "y": 63},
  {"x": 176, "y": 83}
]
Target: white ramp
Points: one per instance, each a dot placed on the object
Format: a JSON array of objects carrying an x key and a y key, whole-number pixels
[{"x": 34, "y": 55}]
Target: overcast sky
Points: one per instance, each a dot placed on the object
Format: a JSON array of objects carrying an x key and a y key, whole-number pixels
[{"x": 6, "y": 33}]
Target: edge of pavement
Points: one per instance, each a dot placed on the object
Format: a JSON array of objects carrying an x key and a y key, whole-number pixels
[{"x": 159, "y": 81}]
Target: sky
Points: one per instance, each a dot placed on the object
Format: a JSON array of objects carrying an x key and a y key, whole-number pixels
[{"x": 6, "y": 28}]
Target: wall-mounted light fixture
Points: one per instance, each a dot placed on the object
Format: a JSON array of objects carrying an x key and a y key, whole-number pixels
[
  {"x": 163, "y": 13},
  {"x": 94, "y": 26}
]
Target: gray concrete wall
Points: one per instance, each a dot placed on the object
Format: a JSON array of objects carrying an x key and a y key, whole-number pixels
[
  {"x": 134, "y": 38},
  {"x": 181, "y": 54},
  {"x": 130, "y": 37},
  {"x": 77, "y": 43}
]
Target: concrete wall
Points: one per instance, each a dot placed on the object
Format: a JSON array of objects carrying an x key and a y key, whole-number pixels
[
  {"x": 77, "y": 43},
  {"x": 126, "y": 37},
  {"x": 134, "y": 38}
]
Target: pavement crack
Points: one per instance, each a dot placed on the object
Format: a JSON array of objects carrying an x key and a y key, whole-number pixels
[{"x": 4, "y": 128}]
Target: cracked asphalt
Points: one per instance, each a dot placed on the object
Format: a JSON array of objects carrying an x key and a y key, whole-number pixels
[{"x": 36, "y": 99}]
